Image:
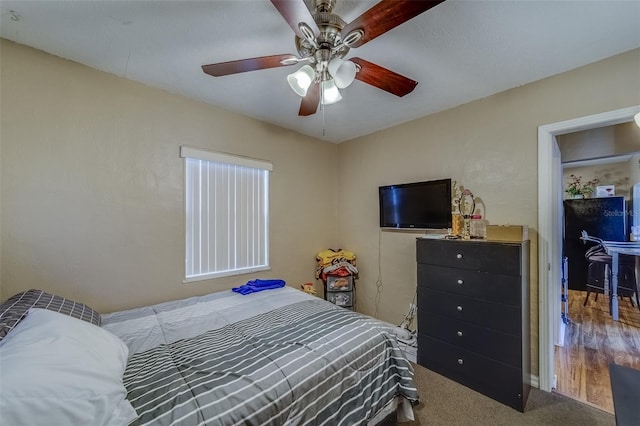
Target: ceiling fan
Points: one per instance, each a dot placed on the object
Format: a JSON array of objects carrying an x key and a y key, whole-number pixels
[{"x": 323, "y": 39}]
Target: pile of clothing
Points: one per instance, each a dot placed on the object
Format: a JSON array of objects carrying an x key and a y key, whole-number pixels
[{"x": 335, "y": 262}]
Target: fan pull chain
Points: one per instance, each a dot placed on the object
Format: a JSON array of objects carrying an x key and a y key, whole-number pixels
[
  {"x": 323, "y": 134},
  {"x": 322, "y": 107},
  {"x": 126, "y": 66}
]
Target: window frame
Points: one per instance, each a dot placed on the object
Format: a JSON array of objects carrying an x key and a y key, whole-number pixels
[{"x": 220, "y": 158}]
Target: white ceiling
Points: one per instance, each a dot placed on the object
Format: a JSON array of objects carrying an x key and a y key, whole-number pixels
[{"x": 459, "y": 51}]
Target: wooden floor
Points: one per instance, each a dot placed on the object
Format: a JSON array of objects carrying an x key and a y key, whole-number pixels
[{"x": 592, "y": 341}]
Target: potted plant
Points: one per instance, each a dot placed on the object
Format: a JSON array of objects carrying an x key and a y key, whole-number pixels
[{"x": 579, "y": 189}]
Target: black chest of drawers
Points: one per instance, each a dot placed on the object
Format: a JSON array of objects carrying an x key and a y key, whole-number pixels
[{"x": 473, "y": 315}]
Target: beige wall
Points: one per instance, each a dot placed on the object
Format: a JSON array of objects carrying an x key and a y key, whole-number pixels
[
  {"x": 606, "y": 141},
  {"x": 92, "y": 184},
  {"x": 91, "y": 202},
  {"x": 489, "y": 146},
  {"x": 617, "y": 174}
]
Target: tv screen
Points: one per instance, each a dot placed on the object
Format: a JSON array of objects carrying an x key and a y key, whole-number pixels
[{"x": 424, "y": 205}]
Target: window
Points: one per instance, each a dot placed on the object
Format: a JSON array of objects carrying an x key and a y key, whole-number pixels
[{"x": 227, "y": 214}]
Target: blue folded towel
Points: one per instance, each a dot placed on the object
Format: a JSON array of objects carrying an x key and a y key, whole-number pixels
[{"x": 258, "y": 285}]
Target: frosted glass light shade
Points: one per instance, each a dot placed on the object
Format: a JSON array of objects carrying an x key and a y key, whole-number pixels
[
  {"x": 330, "y": 93},
  {"x": 343, "y": 72},
  {"x": 300, "y": 80}
]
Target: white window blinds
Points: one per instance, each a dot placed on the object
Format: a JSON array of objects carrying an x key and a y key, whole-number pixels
[{"x": 227, "y": 214}]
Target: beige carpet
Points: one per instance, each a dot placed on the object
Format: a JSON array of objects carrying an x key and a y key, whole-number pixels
[{"x": 445, "y": 402}]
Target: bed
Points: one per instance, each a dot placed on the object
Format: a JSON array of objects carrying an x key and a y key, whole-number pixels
[{"x": 273, "y": 357}]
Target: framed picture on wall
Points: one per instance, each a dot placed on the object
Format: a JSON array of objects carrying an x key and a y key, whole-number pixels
[{"x": 605, "y": 191}]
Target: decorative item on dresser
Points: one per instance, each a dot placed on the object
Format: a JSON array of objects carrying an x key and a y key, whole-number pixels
[{"x": 473, "y": 315}]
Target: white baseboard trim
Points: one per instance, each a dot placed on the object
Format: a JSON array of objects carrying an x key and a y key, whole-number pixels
[
  {"x": 561, "y": 333},
  {"x": 534, "y": 381}
]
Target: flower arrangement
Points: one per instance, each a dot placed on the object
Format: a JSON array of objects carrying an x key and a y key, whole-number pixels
[{"x": 577, "y": 187}]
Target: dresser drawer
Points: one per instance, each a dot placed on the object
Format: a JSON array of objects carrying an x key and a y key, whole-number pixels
[
  {"x": 502, "y": 347},
  {"x": 496, "y": 316},
  {"x": 474, "y": 255},
  {"x": 483, "y": 285},
  {"x": 492, "y": 378}
]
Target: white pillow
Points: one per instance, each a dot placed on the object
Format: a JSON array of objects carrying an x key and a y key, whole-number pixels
[{"x": 59, "y": 370}]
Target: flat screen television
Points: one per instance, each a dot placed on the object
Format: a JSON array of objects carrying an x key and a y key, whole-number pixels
[{"x": 421, "y": 205}]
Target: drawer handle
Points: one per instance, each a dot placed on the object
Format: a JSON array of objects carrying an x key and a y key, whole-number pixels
[
  {"x": 459, "y": 333},
  {"x": 460, "y": 361},
  {"x": 460, "y": 282},
  {"x": 459, "y": 308},
  {"x": 459, "y": 255}
]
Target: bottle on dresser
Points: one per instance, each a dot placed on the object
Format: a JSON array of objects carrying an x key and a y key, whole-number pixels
[{"x": 478, "y": 229}]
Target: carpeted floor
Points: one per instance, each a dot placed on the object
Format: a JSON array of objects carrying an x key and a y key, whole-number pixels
[{"x": 445, "y": 402}]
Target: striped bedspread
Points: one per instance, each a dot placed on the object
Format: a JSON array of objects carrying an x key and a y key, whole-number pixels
[{"x": 308, "y": 362}]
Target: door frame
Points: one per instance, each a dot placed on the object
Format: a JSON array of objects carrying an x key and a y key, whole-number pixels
[{"x": 549, "y": 234}]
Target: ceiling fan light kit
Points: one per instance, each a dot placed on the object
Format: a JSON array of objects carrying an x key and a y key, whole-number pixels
[
  {"x": 330, "y": 93},
  {"x": 323, "y": 39},
  {"x": 300, "y": 80},
  {"x": 343, "y": 72}
]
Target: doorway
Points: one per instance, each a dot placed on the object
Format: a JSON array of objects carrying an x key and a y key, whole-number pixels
[
  {"x": 549, "y": 231},
  {"x": 592, "y": 339}
]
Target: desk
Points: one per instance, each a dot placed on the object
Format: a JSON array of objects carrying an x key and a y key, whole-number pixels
[{"x": 614, "y": 249}]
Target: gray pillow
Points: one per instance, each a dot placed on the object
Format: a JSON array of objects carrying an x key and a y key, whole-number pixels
[{"x": 14, "y": 309}]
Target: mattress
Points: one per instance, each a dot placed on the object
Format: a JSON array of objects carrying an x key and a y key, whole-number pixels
[{"x": 269, "y": 358}]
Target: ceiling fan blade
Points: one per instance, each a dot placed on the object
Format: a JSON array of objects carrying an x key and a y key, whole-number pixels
[
  {"x": 383, "y": 78},
  {"x": 252, "y": 64},
  {"x": 385, "y": 16},
  {"x": 309, "y": 104},
  {"x": 294, "y": 12}
]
